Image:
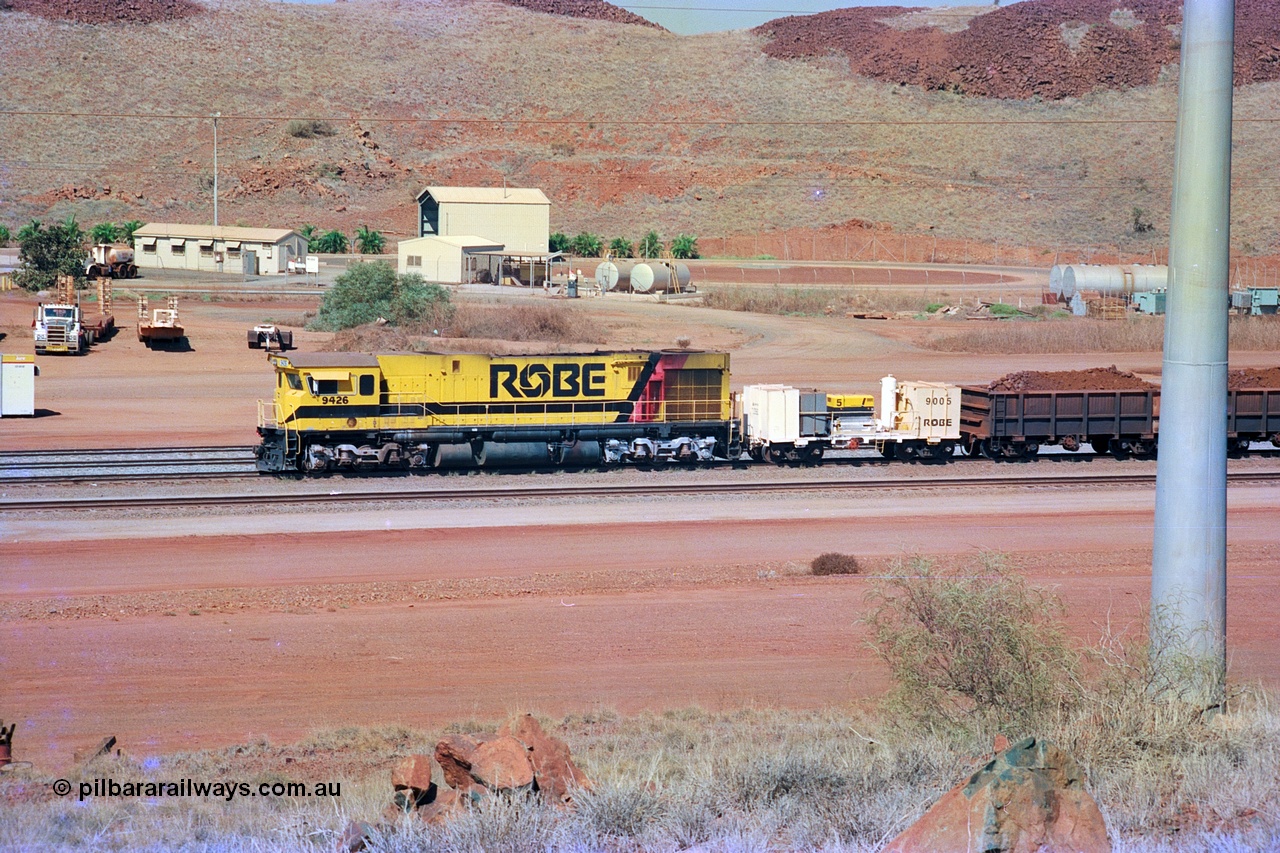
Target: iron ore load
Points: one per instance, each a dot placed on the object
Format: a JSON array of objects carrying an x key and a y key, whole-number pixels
[{"x": 354, "y": 411}]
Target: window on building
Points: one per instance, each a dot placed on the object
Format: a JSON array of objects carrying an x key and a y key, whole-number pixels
[
  {"x": 233, "y": 253},
  {"x": 148, "y": 247},
  {"x": 206, "y": 250},
  {"x": 414, "y": 261},
  {"x": 177, "y": 247}
]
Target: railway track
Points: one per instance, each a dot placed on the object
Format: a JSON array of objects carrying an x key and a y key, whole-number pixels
[
  {"x": 600, "y": 490},
  {"x": 151, "y": 463},
  {"x": 66, "y": 467}
]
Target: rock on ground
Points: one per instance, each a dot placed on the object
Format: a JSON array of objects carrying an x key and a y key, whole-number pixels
[{"x": 1029, "y": 799}]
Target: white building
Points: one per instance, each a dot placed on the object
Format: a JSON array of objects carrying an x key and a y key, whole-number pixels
[
  {"x": 207, "y": 248},
  {"x": 480, "y": 234},
  {"x": 520, "y": 219},
  {"x": 445, "y": 259}
]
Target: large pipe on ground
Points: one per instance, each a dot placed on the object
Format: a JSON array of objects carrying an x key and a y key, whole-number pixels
[
  {"x": 1189, "y": 557},
  {"x": 1107, "y": 279}
]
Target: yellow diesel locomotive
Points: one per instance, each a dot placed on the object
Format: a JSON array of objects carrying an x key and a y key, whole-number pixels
[{"x": 416, "y": 410}]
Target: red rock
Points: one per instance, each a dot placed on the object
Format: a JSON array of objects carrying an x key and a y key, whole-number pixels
[
  {"x": 553, "y": 769},
  {"x": 445, "y": 804},
  {"x": 356, "y": 837},
  {"x": 413, "y": 771},
  {"x": 455, "y": 754},
  {"x": 1029, "y": 799},
  {"x": 502, "y": 764}
]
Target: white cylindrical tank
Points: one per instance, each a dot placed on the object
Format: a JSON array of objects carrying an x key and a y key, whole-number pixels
[
  {"x": 888, "y": 401},
  {"x": 615, "y": 274},
  {"x": 645, "y": 276},
  {"x": 1113, "y": 279},
  {"x": 1055, "y": 279},
  {"x": 660, "y": 277},
  {"x": 1147, "y": 277}
]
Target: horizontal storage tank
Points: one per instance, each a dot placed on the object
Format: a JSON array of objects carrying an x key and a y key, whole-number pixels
[
  {"x": 1055, "y": 279},
  {"x": 615, "y": 275},
  {"x": 1113, "y": 280},
  {"x": 659, "y": 277}
]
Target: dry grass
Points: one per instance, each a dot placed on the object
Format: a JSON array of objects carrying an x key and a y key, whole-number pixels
[
  {"x": 551, "y": 323},
  {"x": 1071, "y": 334},
  {"x": 833, "y": 563},
  {"x": 760, "y": 163},
  {"x": 840, "y": 779},
  {"x": 812, "y": 302}
]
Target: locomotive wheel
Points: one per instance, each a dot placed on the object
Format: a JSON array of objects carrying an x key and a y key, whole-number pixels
[{"x": 1030, "y": 450}]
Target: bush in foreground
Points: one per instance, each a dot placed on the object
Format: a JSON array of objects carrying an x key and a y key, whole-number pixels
[
  {"x": 369, "y": 292},
  {"x": 833, "y": 563}
]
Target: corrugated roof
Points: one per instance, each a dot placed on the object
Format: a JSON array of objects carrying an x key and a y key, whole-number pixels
[
  {"x": 210, "y": 232},
  {"x": 486, "y": 195},
  {"x": 462, "y": 241}
]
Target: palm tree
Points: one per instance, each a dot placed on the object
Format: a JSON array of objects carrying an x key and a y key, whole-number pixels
[
  {"x": 684, "y": 247},
  {"x": 5, "y": 236},
  {"x": 331, "y": 243},
  {"x": 309, "y": 234},
  {"x": 369, "y": 242},
  {"x": 621, "y": 247},
  {"x": 127, "y": 229},
  {"x": 651, "y": 245},
  {"x": 104, "y": 232}
]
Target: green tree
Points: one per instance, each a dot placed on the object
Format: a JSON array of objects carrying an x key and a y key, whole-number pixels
[
  {"x": 621, "y": 247},
  {"x": 369, "y": 242},
  {"x": 5, "y": 236},
  {"x": 104, "y": 232},
  {"x": 587, "y": 245},
  {"x": 331, "y": 243},
  {"x": 371, "y": 291},
  {"x": 309, "y": 233},
  {"x": 127, "y": 230},
  {"x": 684, "y": 247},
  {"x": 44, "y": 253},
  {"x": 558, "y": 242},
  {"x": 651, "y": 245}
]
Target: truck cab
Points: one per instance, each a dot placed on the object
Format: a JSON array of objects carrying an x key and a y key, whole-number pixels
[{"x": 58, "y": 329}]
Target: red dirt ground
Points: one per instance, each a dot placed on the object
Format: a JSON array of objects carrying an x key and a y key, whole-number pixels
[{"x": 189, "y": 631}]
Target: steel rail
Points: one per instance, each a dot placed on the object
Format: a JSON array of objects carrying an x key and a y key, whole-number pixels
[{"x": 593, "y": 490}]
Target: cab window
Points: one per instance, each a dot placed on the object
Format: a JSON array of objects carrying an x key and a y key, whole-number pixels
[
  {"x": 323, "y": 386},
  {"x": 294, "y": 380},
  {"x": 366, "y": 384}
]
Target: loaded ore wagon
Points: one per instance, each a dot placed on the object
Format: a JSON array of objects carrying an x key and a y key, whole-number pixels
[
  {"x": 354, "y": 410},
  {"x": 1253, "y": 407},
  {"x": 1112, "y": 411}
]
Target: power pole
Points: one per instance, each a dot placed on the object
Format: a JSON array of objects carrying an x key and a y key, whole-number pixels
[
  {"x": 216, "y": 116},
  {"x": 1189, "y": 556}
]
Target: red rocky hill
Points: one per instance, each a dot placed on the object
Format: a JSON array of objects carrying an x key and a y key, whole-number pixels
[
  {"x": 106, "y": 11},
  {"x": 1052, "y": 49}
]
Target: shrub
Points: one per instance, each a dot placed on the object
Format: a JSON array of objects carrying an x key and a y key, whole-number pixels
[
  {"x": 586, "y": 245},
  {"x": 651, "y": 245},
  {"x": 973, "y": 647},
  {"x": 684, "y": 247},
  {"x": 369, "y": 242},
  {"x": 330, "y": 243},
  {"x": 558, "y": 242},
  {"x": 308, "y": 128},
  {"x": 45, "y": 253},
  {"x": 933, "y": 307},
  {"x": 1001, "y": 309},
  {"x": 833, "y": 563},
  {"x": 372, "y": 291},
  {"x": 104, "y": 232},
  {"x": 5, "y": 236}
]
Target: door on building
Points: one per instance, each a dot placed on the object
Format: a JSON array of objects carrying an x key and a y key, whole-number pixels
[{"x": 250, "y": 263}]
